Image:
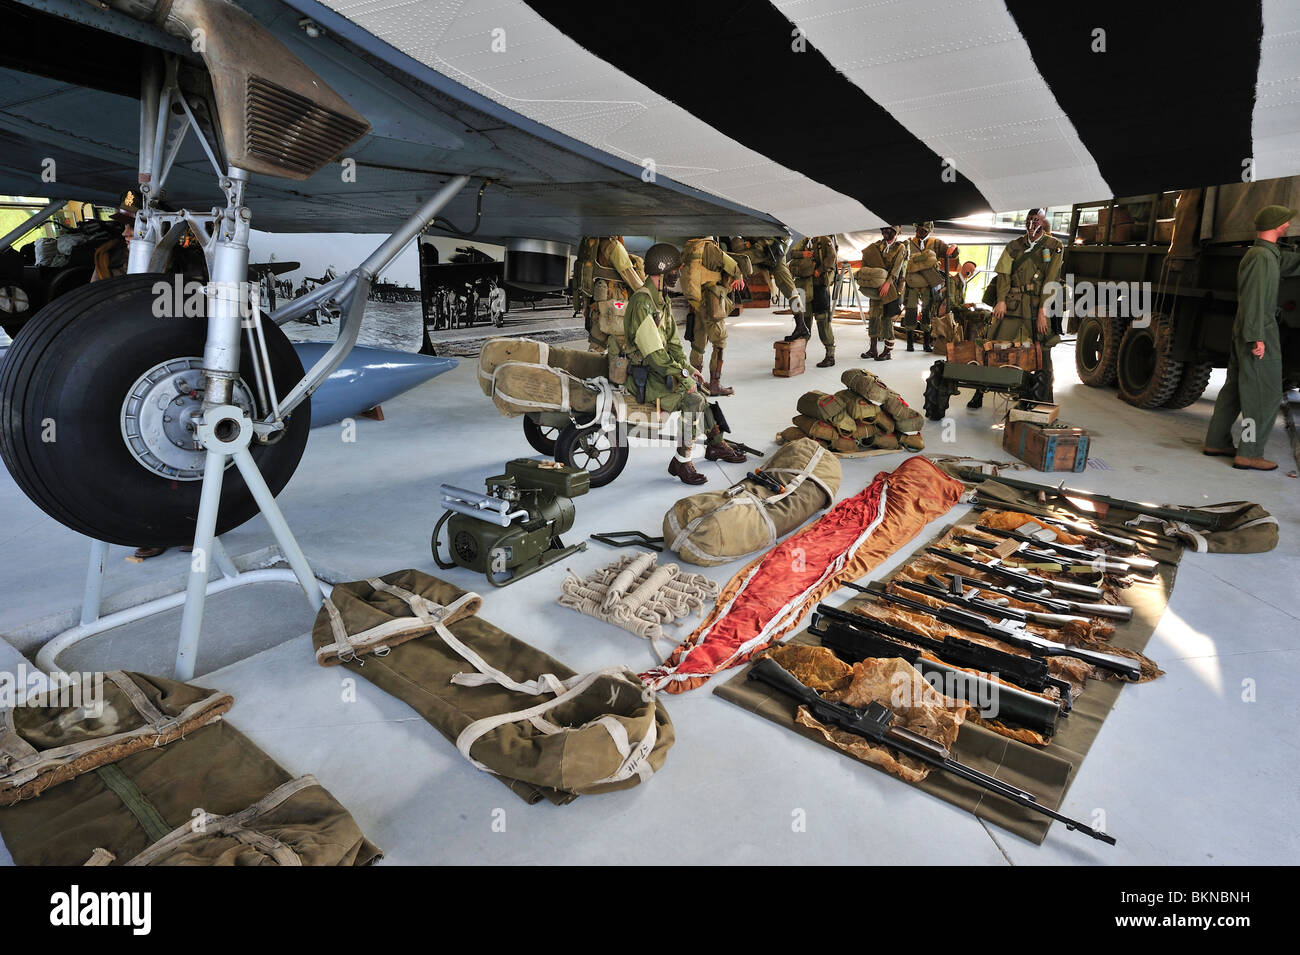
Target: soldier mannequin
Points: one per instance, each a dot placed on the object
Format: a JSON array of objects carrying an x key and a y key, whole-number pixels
[
  {"x": 950, "y": 326},
  {"x": 765, "y": 256},
  {"x": 705, "y": 329},
  {"x": 891, "y": 255},
  {"x": 817, "y": 258},
  {"x": 604, "y": 272},
  {"x": 658, "y": 371},
  {"x": 1253, "y": 388},
  {"x": 1028, "y": 265},
  {"x": 923, "y": 298}
]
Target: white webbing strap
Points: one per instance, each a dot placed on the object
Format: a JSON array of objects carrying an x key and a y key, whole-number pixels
[
  {"x": 426, "y": 614},
  {"x": 634, "y": 757}
]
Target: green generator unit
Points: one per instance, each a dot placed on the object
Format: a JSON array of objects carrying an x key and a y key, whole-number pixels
[{"x": 513, "y": 529}]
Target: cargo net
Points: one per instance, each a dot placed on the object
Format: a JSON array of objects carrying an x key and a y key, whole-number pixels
[
  {"x": 639, "y": 596},
  {"x": 865, "y": 415}
]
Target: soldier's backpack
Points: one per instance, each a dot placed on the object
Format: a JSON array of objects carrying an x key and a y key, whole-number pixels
[
  {"x": 716, "y": 527},
  {"x": 829, "y": 408}
]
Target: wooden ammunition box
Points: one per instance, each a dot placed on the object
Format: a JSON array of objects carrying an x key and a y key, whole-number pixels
[
  {"x": 1046, "y": 447},
  {"x": 966, "y": 353},
  {"x": 1023, "y": 356},
  {"x": 790, "y": 358}
]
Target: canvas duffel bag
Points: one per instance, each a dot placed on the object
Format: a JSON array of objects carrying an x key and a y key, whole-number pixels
[
  {"x": 857, "y": 407},
  {"x": 864, "y": 383},
  {"x": 829, "y": 408},
  {"x": 906, "y": 420},
  {"x": 150, "y": 774},
  {"x": 544, "y": 730},
  {"x": 815, "y": 427},
  {"x": 869, "y": 280},
  {"x": 716, "y": 527},
  {"x": 496, "y": 352},
  {"x": 520, "y": 388}
]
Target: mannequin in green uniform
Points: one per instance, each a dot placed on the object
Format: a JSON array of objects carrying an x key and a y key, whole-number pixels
[
  {"x": 1253, "y": 388},
  {"x": 923, "y": 298},
  {"x": 812, "y": 263},
  {"x": 658, "y": 371},
  {"x": 1028, "y": 265},
  {"x": 891, "y": 255}
]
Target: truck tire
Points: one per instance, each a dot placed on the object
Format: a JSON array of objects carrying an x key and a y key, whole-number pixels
[
  {"x": 1196, "y": 377},
  {"x": 1096, "y": 350},
  {"x": 936, "y": 396},
  {"x": 1147, "y": 374}
]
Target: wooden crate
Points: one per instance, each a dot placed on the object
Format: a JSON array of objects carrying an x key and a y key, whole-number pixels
[
  {"x": 1037, "y": 412},
  {"x": 999, "y": 354},
  {"x": 790, "y": 358},
  {"x": 1047, "y": 448},
  {"x": 760, "y": 296},
  {"x": 966, "y": 353}
]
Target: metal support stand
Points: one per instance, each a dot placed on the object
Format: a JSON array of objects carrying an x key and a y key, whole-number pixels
[{"x": 225, "y": 429}]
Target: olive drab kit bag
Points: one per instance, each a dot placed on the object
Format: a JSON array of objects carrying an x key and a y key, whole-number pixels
[
  {"x": 130, "y": 769},
  {"x": 544, "y": 730},
  {"x": 865, "y": 415},
  {"x": 522, "y": 376},
  {"x": 716, "y": 527}
]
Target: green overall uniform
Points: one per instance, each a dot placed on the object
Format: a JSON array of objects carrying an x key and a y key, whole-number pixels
[
  {"x": 652, "y": 343},
  {"x": 706, "y": 329},
  {"x": 763, "y": 257},
  {"x": 880, "y": 318},
  {"x": 1253, "y": 388},
  {"x": 1021, "y": 289},
  {"x": 818, "y": 268},
  {"x": 913, "y": 297}
]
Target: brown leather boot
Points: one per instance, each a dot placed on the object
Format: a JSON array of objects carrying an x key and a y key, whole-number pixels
[
  {"x": 685, "y": 471},
  {"x": 801, "y": 329},
  {"x": 721, "y": 451},
  {"x": 871, "y": 352},
  {"x": 887, "y": 354},
  {"x": 718, "y": 390},
  {"x": 1253, "y": 464},
  {"x": 829, "y": 360},
  {"x": 1218, "y": 452}
]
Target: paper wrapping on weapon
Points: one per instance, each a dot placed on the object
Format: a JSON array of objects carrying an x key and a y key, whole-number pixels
[{"x": 916, "y": 706}]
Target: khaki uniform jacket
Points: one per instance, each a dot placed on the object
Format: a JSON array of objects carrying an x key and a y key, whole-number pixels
[
  {"x": 1023, "y": 291},
  {"x": 652, "y": 341},
  {"x": 823, "y": 258},
  {"x": 893, "y": 261}
]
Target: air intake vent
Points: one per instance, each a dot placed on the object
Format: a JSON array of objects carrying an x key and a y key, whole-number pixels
[{"x": 292, "y": 132}]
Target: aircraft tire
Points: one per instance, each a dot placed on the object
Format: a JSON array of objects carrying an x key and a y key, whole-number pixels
[{"x": 62, "y": 416}]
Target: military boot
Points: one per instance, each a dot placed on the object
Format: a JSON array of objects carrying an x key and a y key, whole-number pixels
[
  {"x": 928, "y": 341},
  {"x": 681, "y": 468},
  {"x": 1253, "y": 464},
  {"x": 719, "y": 450},
  {"x": 801, "y": 329},
  {"x": 911, "y": 340},
  {"x": 977, "y": 400},
  {"x": 887, "y": 353},
  {"x": 716, "y": 388},
  {"x": 829, "y": 360},
  {"x": 870, "y": 352}
]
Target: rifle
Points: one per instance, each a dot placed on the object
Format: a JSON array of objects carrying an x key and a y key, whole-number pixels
[
  {"x": 996, "y": 568},
  {"x": 1133, "y": 564},
  {"x": 1185, "y": 515},
  {"x": 1029, "y": 673},
  {"x": 1079, "y": 527},
  {"x": 1014, "y": 633},
  {"x": 1054, "y": 604},
  {"x": 956, "y": 593},
  {"x": 1092, "y": 568},
  {"x": 874, "y": 723},
  {"x": 993, "y": 700}
]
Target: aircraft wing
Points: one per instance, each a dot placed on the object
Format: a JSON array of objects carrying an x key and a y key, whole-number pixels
[{"x": 713, "y": 117}]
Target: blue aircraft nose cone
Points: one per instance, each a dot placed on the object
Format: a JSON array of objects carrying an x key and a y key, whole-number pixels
[{"x": 367, "y": 377}]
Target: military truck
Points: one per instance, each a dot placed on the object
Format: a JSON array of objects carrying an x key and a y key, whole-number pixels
[{"x": 1152, "y": 286}]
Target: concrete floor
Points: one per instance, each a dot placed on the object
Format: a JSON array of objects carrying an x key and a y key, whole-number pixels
[{"x": 1185, "y": 770}]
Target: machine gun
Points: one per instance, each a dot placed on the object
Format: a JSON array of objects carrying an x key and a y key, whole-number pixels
[
  {"x": 993, "y": 700},
  {"x": 514, "y": 529},
  {"x": 1082, "y": 527},
  {"x": 995, "y": 568},
  {"x": 956, "y": 593},
  {"x": 1029, "y": 673},
  {"x": 1014, "y": 632},
  {"x": 1132, "y": 564},
  {"x": 875, "y": 723}
]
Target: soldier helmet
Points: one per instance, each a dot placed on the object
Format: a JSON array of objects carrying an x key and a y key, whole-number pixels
[{"x": 662, "y": 258}]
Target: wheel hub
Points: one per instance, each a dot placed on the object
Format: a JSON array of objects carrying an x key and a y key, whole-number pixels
[{"x": 161, "y": 414}]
